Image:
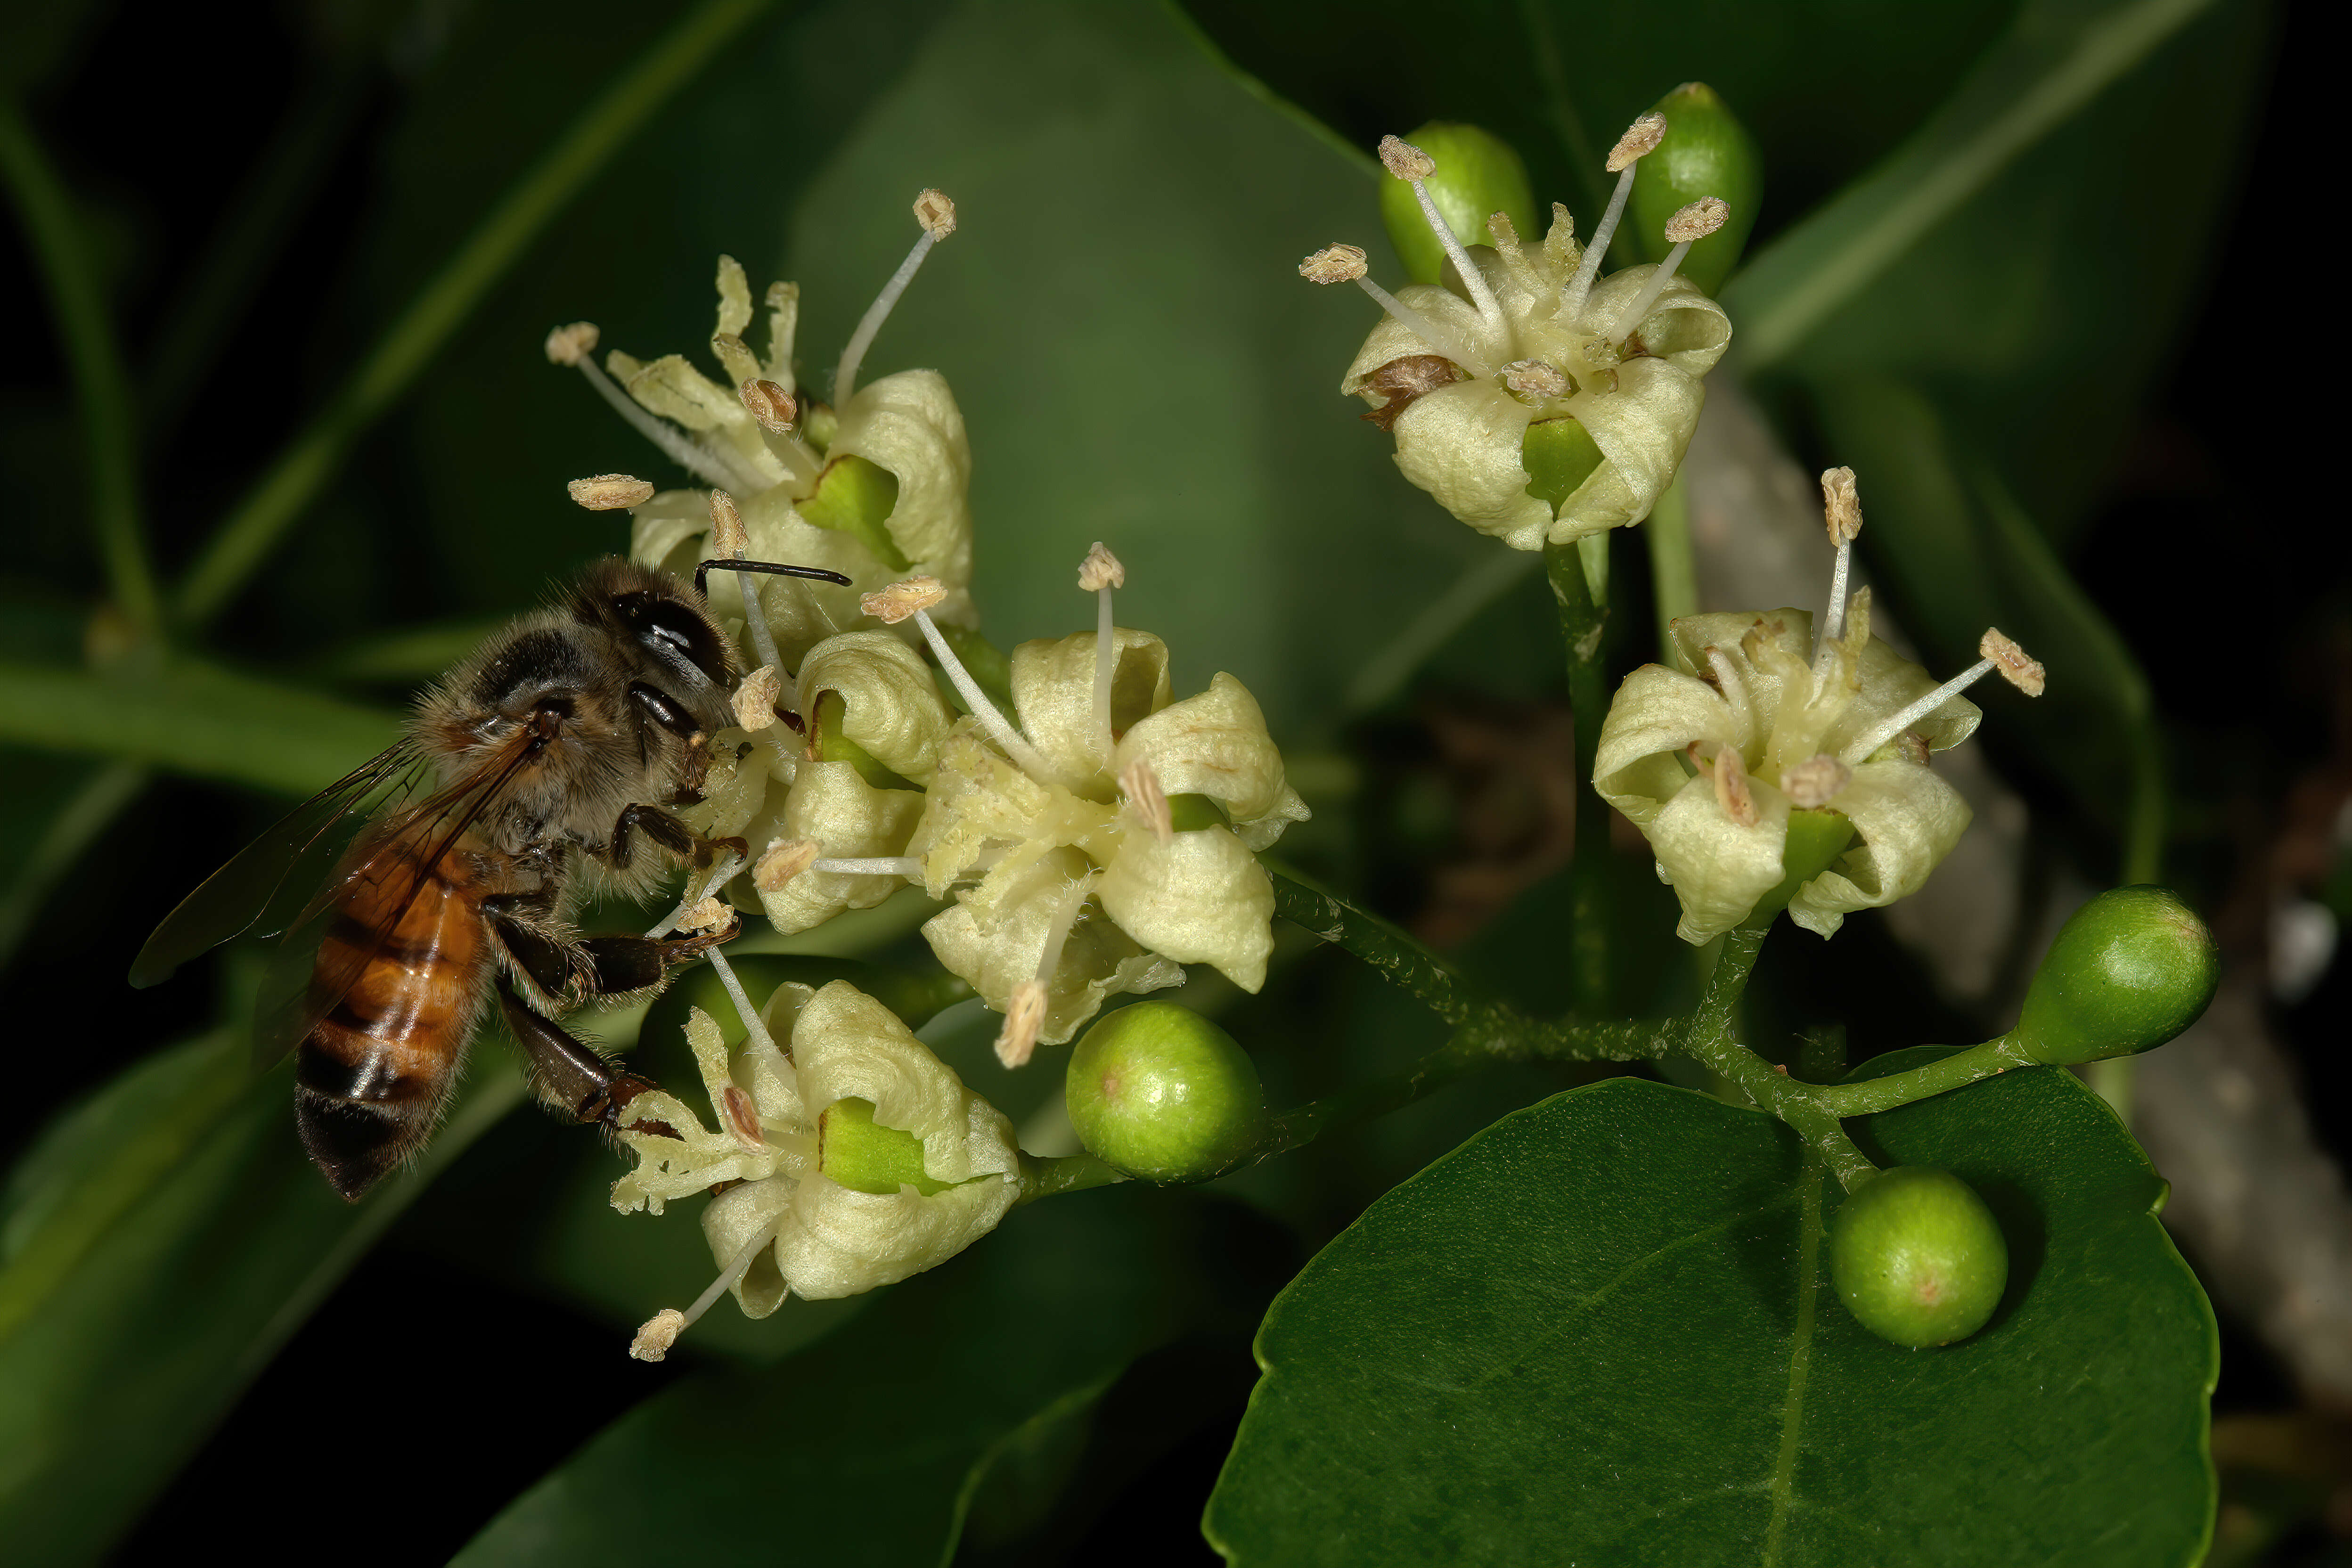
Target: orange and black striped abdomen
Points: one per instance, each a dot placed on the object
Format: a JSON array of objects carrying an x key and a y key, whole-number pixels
[{"x": 371, "y": 1074}]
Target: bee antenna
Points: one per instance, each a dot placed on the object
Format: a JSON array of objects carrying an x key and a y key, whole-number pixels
[{"x": 773, "y": 568}]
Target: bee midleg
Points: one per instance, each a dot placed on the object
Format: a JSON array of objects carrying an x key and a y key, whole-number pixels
[{"x": 569, "y": 1074}]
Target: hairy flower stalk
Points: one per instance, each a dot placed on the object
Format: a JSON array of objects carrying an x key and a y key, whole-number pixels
[
  {"x": 874, "y": 486},
  {"x": 1537, "y": 401},
  {"x": 1772, "y": 757}
]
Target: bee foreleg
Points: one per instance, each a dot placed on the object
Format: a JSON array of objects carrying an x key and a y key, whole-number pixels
[
  {"x": 657, "y": 824},
  {"x": 568, "y": 1075},
  {"x": 547, "y": 961}
]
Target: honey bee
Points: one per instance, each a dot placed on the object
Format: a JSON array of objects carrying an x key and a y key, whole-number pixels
[{"x": 543, "y": 763}]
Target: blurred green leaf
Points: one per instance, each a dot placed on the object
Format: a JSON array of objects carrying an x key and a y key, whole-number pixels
[
  {"x": 193, "y": 718},
  {"x": 1602, "y": 1330},
  {"x": 872, "y": 1447},
  {"x": 163, "y": 1241}
]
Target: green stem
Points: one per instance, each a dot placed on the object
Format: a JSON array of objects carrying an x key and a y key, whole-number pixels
[
  {"x": 1403, "y": 961},
  {"x": 298, "y": 475},
  {"x": 1583, "y": 617},
  {"x": 101, "y": 385},
  {"x": 1901, "y": 1089},
  {"x": 1049, "y": 1175},
  {"x": 1708, "y": 1038},
  {"x": 1673, "y": 569}
]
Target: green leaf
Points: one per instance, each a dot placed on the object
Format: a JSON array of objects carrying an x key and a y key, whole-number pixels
[
  {"x": 1603, "y": 1331},
  {"x": 163, "y": 1241},
  {"x": 873, "y": 1447}
]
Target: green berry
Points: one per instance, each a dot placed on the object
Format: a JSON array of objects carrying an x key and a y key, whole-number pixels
[
  {"x": 2132, "y": 969},
  {"x": 1916, "y": 1256},
  {"x": 1478, "y": 174},
  {"x": 1163, "y": 1094},
  {"x": 1706, "y": 152}
]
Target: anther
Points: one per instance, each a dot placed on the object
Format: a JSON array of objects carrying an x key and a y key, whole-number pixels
[
  {"x": 660, "y": 1332},
  {"x": 1816, "y": 781},
  {"x": 742, "y": 1119},
  {"x": 1411, "y": 164},
  {"x": 1842, "y": 512},
  {"x": 785, "y": 859},
  {"x": 1686, "y": 229},
  {"x": 2026, "y": 674},
  {"x": 1641, "y": 137},
  {"x": 1334, "y": 264},
  {"x": 1100, "y": 570},
  {"x": 899, "y": 600},
  {"x": 707, "y": 915},
  {"x": 572, "y": 344},
  {"x": 1731, "y": 791},
  {"x": 1534, "y": 378},
  {"x": 1147, "y": 799},
  {"x": 937, "y": 215},
  {"x": 776, "y": 410},
  {"x": 610, "y": 492},
  {"x": 755, "y": 698},
  {"x": 728, "y": 537},
  {"x": 1025, "y": 1019}
]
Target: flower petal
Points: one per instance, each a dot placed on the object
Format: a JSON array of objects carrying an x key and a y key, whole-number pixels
[
  {"x": 1460, "y": 443},
  {"x": 848, "y": 818},
  {"x": 1393, "y": 339},
  {"x": 1642, "y": 428},
  {"x": 1200, "y": 897},
  {"x": 908, "y": 423},
  {"x": 837, "y": 1242},
  {"x": 1683, "y": 327},
  {"x": 890, "y": 704},
  {"x": 1656, "y": 714},
  {"x": 849, "y": 1045},
  {"x": 1908, "y": 820},
  {"x": 1215, "y": 743},
  {"x": 1053, "y": 692},
  {"x": 1719, "y": 869}
]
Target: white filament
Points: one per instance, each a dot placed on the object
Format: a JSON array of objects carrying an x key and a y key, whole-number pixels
[
  {"x": 1106, "y": 663},
  {"x": 1066, "y": 917},
  {"x": 999, "y": 730},
  {"x": 1490, "y": 310},
  {"x": 872, "y": 866},
  {"x": 1427, "y": 330},
  {"x": 710, "y": 466},
  {"x": 1631, "y": 316},
  {"x": 845, "y": 378},
  {"x": 737, "y": 1266},
  {"x": 1859, "y": 750},
  {"x": 1578, "y": 287}
]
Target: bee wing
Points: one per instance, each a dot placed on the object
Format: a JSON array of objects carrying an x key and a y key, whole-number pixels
[
  {"x": 398, "y": 855},
  {"x": 260, "y": 882}
]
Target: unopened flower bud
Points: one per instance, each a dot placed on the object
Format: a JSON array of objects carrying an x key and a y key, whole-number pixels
[
  {"x": 2127, "y": 971},
  {"x": 1704, "y": 151},
  {"x": 1917, "y": 1257},
  {"x": 1469, "y": 172},
  {"x": 1164, "y": 1094}
]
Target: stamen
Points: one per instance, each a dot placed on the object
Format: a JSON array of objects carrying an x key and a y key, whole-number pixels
[
  {"x": 707, "y": 915},
  {"x": 1147, "y": 800},
  {"x": 1815, "y": 781},
  {"x": 1413, "y": 167},
  {"x": 2000, "y": 653},
  {"x": 1734, "y": 686},
  {"x": 610, "y": 492},
  {"x": 695, "y": 895},
  {"x": 905, "y": 866},
  {"x": 1731, "y": 791},
  {"x": 1841, "y": 510},
  {"x": 1025, "y": 1016},
  {"x": 937, "y": 215},
  {"x": 728, "y": 535},
  {"x": 786, "y": 859},
  {"x": 1345, "y": 264},
  {"x": 754, "y": 1030},
  {"x": 571, "y": 345},
  {"x": 1640, "y": 138},
  {"x": 913, "y": 597},
  {"x": 1098, "y": 574},
  {"x": 1685, "y": 229},
  {"x": 1534, "y": 378},
  {"x": 742, "y": 1116},
  {"x": 776, "y": 412},
  {"x": 729, "y": 538},
  {"x": 1512, "y": 255},
  {"x": 661, "y": 1331},
  {"x": 755, "y": 698}
]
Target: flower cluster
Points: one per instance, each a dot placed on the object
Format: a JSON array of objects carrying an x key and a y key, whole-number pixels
[
  {"x": 1780, "y": 750},
  {"x": 1536, "y": 400}
]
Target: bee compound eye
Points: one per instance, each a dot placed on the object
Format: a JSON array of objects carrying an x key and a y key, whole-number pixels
[{"x": 675, "y": 634}]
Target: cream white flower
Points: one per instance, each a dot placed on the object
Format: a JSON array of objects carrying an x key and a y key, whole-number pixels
[
  {"x": 1103, "y": 834},
  {"x": 874, "y": 487},
  {"x": 1530, "y": 358},
  {"x": 784, "y": 1226},
  {"x": 1765, "y": 725}
]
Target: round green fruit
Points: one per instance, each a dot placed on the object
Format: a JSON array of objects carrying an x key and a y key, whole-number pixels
[
  {"x": 1706, "y": 152},
  {"x": 1916, "y": 1256},
  {"x": 2132, "y": 969},
  {"x": 1163, "y": 1094},
  {"x": 1478, "y": 174}
]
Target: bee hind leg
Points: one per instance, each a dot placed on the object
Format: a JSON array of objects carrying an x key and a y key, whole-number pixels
[{"x": 569, "y": 1077}]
